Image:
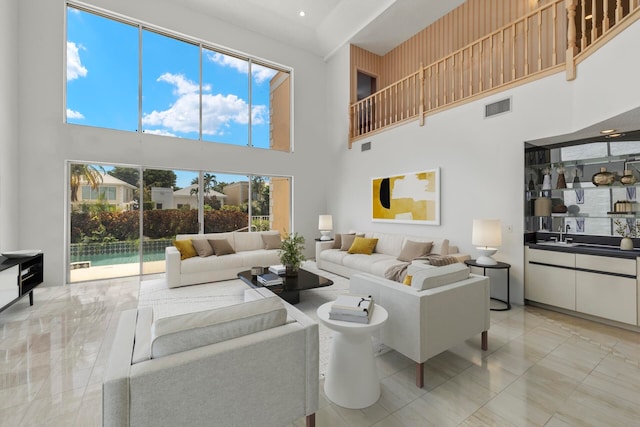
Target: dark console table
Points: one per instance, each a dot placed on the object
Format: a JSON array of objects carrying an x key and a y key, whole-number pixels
[{"x": 18, "y": 277}]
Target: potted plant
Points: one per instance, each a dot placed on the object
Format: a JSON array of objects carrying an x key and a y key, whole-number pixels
[
  {"x": 291, "y": 253},
  {"x": 627, "y": 231}
]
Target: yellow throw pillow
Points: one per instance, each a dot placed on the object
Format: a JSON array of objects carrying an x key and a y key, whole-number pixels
[
  {"x": 362, "y": 245},
  {"x": 407, "y": 280},
  {"x": 186, "y": 248}
]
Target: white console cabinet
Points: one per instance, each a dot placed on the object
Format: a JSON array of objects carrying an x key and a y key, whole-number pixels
[{"x": 606, "y": 287}]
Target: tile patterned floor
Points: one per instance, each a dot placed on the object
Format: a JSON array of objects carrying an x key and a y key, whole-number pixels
[{"x": 542, "y": 368}]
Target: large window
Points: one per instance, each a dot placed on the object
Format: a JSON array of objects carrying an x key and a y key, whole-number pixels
[
  {"x": 189, "y": 89},
  {"x": 121, "y": 218}
]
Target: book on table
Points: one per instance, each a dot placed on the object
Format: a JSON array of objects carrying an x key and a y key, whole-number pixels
[
  {"x": 269, "y": 279},
  {"x": 352, "y": 308},
  {"x": 278, "y": 269}
]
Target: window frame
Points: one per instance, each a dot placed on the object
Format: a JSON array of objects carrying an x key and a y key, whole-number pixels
[{"x": 201, "y": 44}]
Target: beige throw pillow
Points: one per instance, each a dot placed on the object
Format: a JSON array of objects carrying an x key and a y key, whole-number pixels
[
  {"x": 272, "y": 241},
  {"x": 412, "y": 250},
  {"x": 221, "y": 247},
  {"x": 347, "y": 241},
  {"x": 337, "y": 241},
  {"x": 203, "y": 247}
]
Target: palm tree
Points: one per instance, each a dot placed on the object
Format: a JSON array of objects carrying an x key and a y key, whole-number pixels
[
  {"x": 209, "y": 183},
  {"x": 92, "y": 174}
]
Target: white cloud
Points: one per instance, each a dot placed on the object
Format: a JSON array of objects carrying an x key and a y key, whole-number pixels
[
  {"x": 183, "y": 86},
  {"x": 259, "y": 72},
  {"x": 71, "y": 114},
  {"x": 218, "y": 111},
  {"x": 159, "y": 132},
  {"x": 75, "y": 69}
]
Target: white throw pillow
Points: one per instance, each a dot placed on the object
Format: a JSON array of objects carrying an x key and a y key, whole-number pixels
[
  {"x": 428, "y": 278},
  {"x": 192, "y": 330}
]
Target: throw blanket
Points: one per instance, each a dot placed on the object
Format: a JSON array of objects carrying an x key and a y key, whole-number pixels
[{"x": 398, "y": 272}]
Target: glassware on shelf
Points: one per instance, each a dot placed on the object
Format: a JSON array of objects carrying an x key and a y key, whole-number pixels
[
  {"x": 576, "y": 178},
  {"x": 628, "y": 178},
  {"x": 561, "y": 183},
  {"x": 603, "y": 177},
  {"x": 546, "y": 182}
]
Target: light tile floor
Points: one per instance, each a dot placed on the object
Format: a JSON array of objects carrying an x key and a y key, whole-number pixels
[{"x": 542, "y": 368}]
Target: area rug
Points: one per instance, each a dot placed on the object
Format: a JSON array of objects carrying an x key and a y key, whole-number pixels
[{"x": 168, "y": 302}]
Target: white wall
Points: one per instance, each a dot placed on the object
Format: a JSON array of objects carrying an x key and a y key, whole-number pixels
[
  {"x": 481, "y": 160},
  {"x": 46, "y": 142},
  {"x": 8, "y": 125}
]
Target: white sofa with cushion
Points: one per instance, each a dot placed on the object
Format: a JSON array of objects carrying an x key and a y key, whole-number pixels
[
  {"x": 249, "y": 250},
  {"x": 333, "y": 255},
  {"x": 443, "y": 306},
  {"x": 253, "y": 363}
]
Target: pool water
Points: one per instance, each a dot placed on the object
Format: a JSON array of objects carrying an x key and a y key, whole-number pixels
[{"x": 113, "y": 259}]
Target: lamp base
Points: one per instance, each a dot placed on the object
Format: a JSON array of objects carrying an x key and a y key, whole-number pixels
[
  {"x": 485, "y": 256},
  {"x": 325, "y": 235}
]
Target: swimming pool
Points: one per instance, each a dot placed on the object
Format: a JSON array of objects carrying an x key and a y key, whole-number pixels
[{"x": 121, "y": 258}]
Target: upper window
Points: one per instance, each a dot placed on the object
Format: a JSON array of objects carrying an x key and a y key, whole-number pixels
[
  {"x": 185, "y": 88},
  {"x": 100, "y": 193}
]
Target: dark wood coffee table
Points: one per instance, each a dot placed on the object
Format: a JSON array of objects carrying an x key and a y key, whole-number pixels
[{"x": 290, "y": 289}]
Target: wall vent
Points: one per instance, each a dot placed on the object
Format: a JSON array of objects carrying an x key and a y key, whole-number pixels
[
  {"x": 365, "y": 146},
  {"x": 499, "y": 107}
]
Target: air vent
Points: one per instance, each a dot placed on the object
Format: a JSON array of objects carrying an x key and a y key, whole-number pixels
[
  {"x": 365, "y": 146},
  {"x": 499, "y": 107}
]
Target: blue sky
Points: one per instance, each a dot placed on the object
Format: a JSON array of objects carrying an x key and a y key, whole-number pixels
[{"x": 102, "y": 84}]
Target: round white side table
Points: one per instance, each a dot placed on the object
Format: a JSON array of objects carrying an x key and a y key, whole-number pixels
[{"x": 352, "y": 380}]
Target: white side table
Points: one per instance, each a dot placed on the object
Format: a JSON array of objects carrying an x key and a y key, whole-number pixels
[{"x": 352, "y": 380}]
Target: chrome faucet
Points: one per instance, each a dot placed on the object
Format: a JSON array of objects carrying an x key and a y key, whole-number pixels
[{"x": 564, "y": 230}]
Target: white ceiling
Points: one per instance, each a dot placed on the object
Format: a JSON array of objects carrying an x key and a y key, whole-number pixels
[{"x": 375, "y": 25}]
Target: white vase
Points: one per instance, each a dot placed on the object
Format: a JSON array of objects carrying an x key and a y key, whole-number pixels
[{"x": 626, "y": 244}]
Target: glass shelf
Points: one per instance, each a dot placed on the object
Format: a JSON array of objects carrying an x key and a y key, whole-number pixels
[
  {"x": 594, "y": 161},
  {"x": 607, "y": 216},
  {"x": 601, "y": 187}
]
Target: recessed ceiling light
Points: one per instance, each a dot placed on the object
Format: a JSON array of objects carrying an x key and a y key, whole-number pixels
[
  {"x": 607, "y": 131},
  {"x": 302, "y": 13},
  {"x": 614, "y": 135}
]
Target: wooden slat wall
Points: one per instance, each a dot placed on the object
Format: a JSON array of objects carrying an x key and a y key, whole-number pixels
[
  {"x": 367, "y": 62},
  {"x": 463, "y": 25}
]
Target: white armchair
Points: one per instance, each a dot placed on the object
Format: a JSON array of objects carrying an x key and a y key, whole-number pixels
[
  {"x": 425, "y": 322},
  {"x": 228, "y": 366}
]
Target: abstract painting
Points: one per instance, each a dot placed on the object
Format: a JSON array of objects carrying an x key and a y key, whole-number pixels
[{"x": 412, "y": 198}]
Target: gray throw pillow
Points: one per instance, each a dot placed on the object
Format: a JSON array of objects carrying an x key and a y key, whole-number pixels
[
  {"x": 203, "y": 247},
  {"x": 412, "y": 250},
  {"x": 221, "y": 247}
]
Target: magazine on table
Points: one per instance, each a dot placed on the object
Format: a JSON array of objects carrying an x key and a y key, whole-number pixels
[
  {"x": 352, "y": 308},
  {"x": 269, "y": 279},
  {"x": 277, "y": 269}
]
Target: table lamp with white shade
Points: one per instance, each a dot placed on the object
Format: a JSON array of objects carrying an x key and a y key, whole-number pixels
[
  {"x": 325, "y": 225},
  {"x": 486, "y": 236}
]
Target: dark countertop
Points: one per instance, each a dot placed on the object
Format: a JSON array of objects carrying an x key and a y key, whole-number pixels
[{"x": 589, "y": 249}]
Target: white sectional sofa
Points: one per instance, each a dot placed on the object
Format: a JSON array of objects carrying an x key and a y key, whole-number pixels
[
  {"x": 250, "y": 250},
  {"x": 384, "y": 257},
  {"x": 248, "y": 364}
]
